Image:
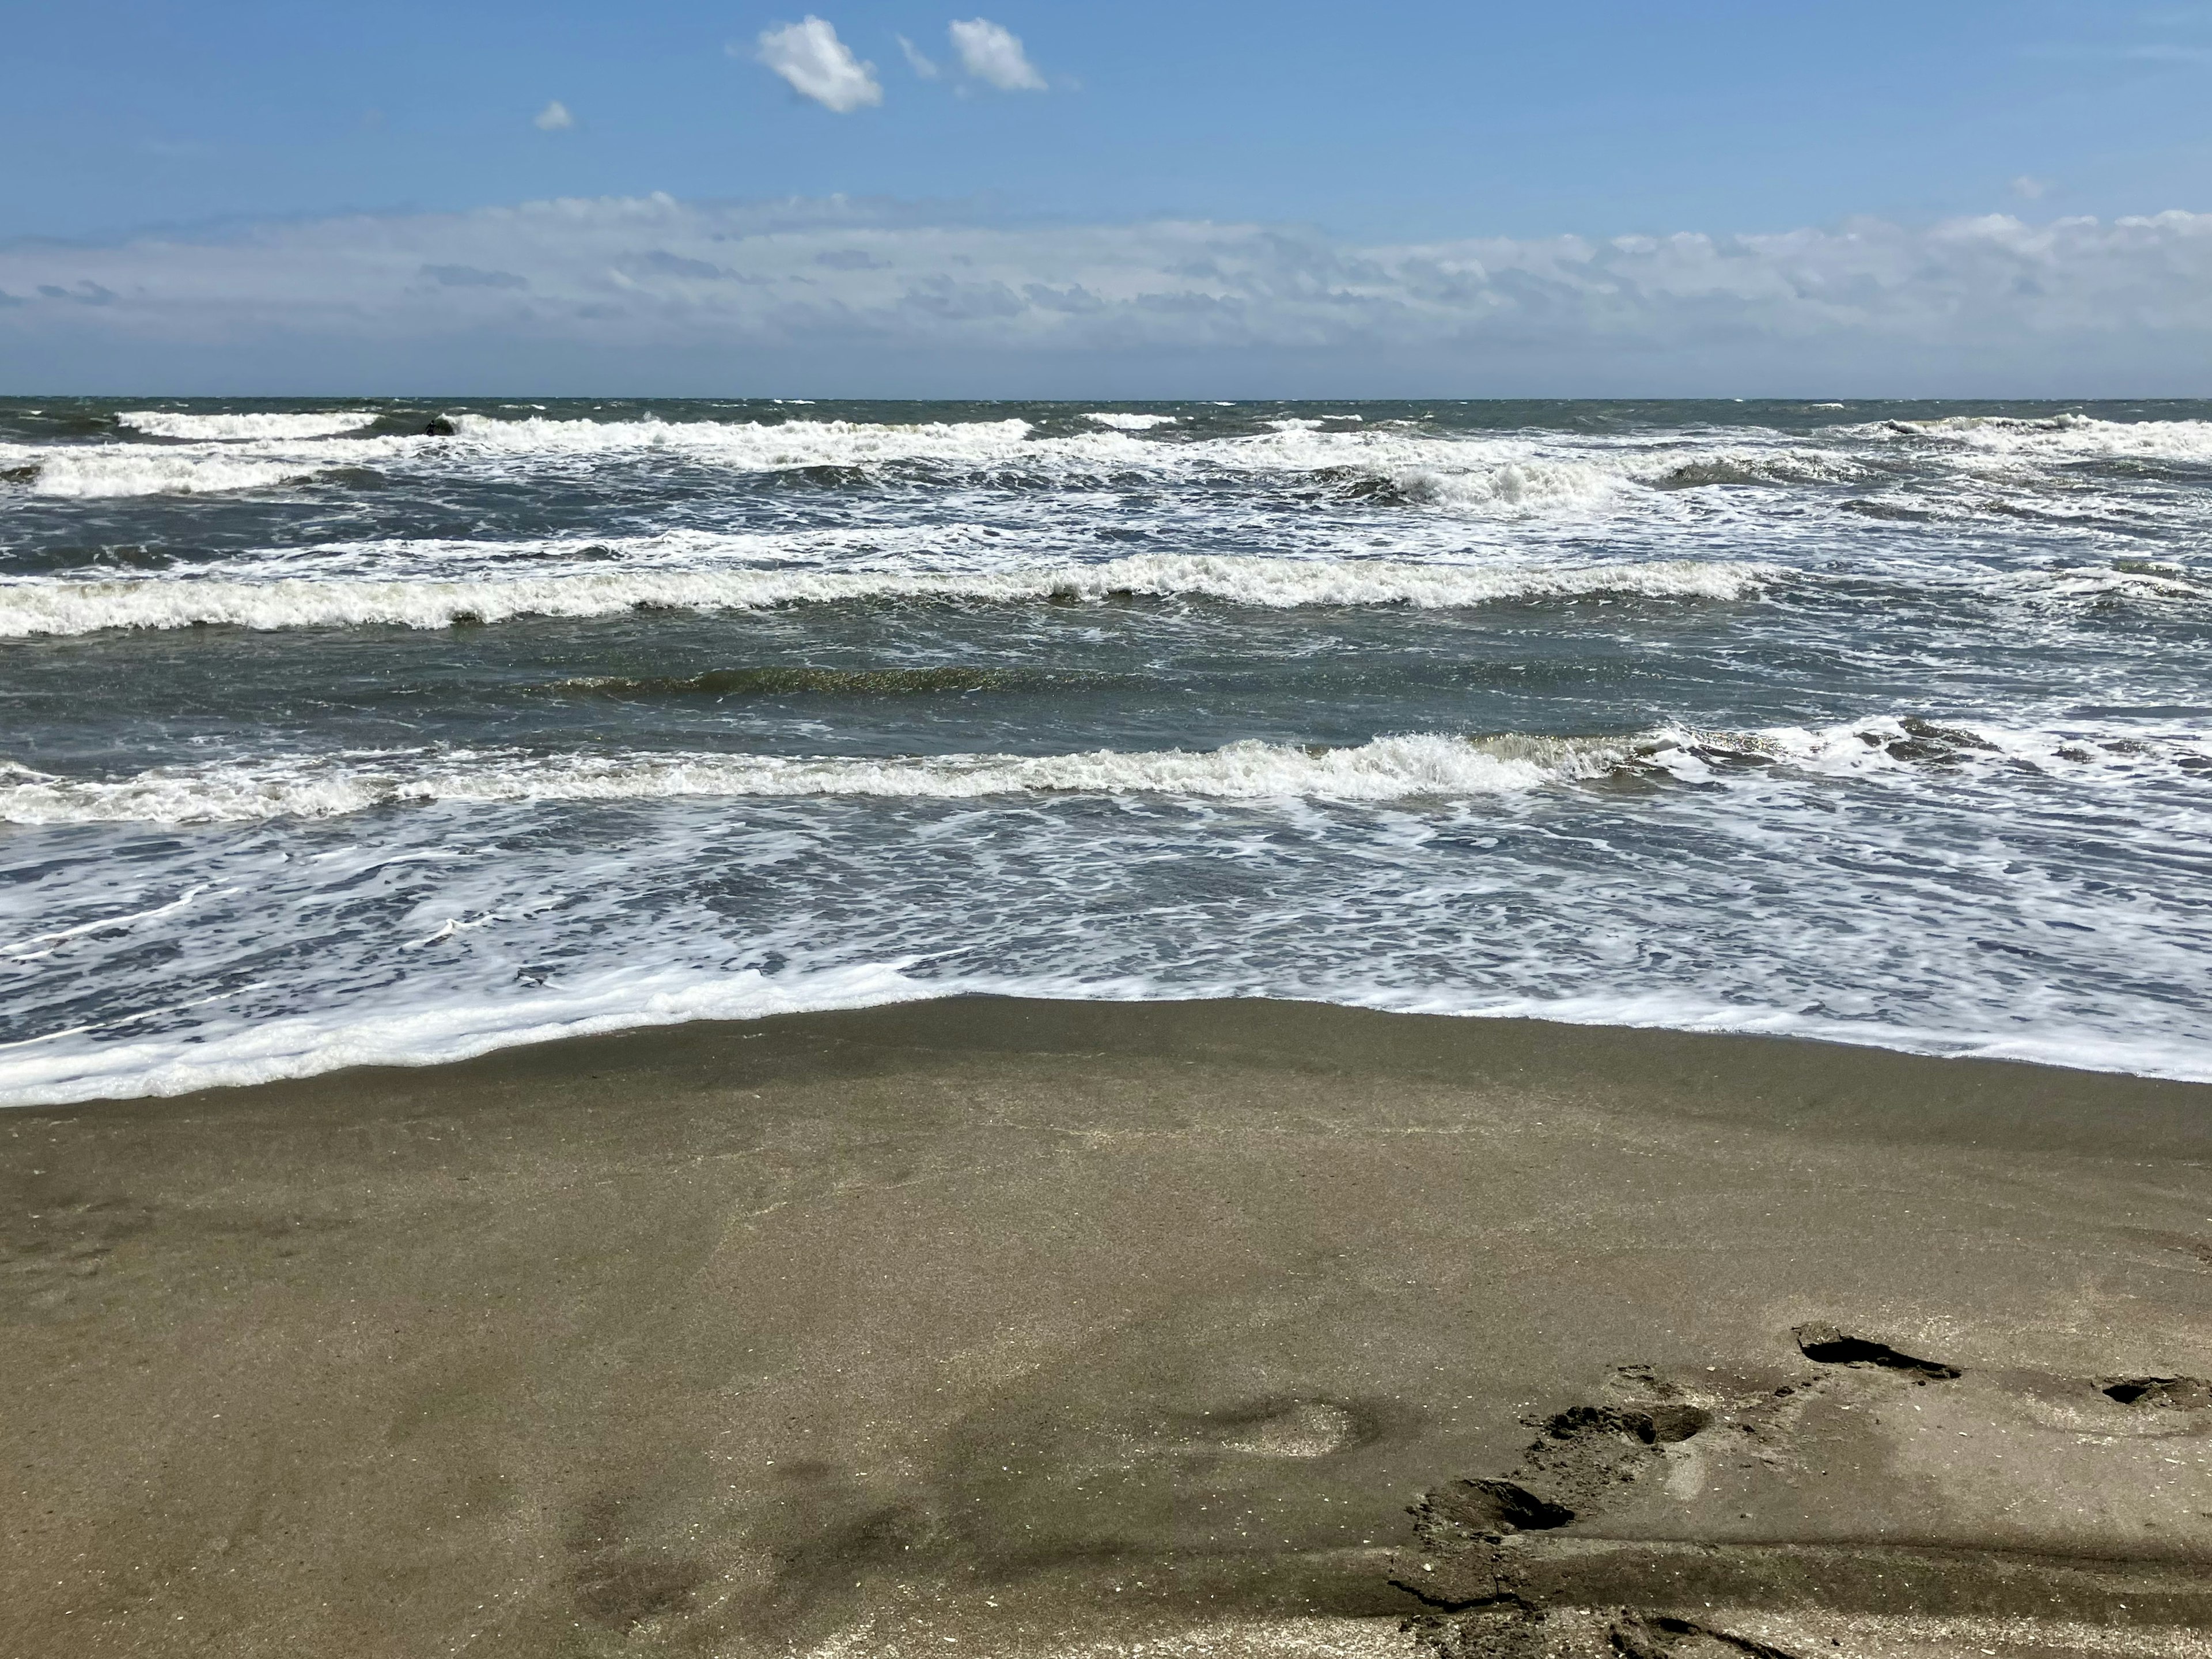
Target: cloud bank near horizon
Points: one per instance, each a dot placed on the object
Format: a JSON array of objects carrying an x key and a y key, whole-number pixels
[{"x": 644, "y": 295}]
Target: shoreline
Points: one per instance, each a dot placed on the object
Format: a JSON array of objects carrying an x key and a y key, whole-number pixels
[
  {"x": 1864, "y": 1037},
  {"x": 1060, "y": 1327}
]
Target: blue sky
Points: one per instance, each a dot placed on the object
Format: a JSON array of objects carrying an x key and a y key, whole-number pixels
[{"x": 1383, "y": 123}]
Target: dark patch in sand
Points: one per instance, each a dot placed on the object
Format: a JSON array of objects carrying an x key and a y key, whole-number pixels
[
  {"x": 819, "y": 1571},
  {"x": 1660, "y": 1426},
  {"x": 623, "y": 1593},
  {"x": 2188, "y": 1244},
  {"x": 1492, "y": 1508},
  {"x": 616, "y": 1586},
  {"x": 1832, "y": 1346},
  {"x": 1663, "y": 1636},
  {"x": 1514, "y": 1630},
  {"x": 2173, "y": 1393}
]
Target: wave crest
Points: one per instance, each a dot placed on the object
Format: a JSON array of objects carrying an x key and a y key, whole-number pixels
[
  {"x": 2063, "y": 437},
  {"x": 232, "y": 428},
  {"x": 90, "y": 473},
  {"x": 1388, "y": 769},
  {"x": 84, "y": 607}
]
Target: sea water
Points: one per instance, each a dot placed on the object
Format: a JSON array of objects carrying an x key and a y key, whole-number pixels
[{"x": 327, "y": 740}]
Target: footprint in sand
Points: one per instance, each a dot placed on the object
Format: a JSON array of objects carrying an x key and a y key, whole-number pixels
[
  {"x": 2186, "y": 1393},
  {"x": 1828, "y": 1345},
  {"x": 1782, "y": 1513},
  {"x": 1290, "y": 1428}
]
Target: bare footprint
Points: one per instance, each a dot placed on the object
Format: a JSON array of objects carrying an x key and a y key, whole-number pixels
[
  {"x": 2186, "y": 1393},
  {"x": 1828, "y": 1345},
  {"x": 1293, "y": 1428}
]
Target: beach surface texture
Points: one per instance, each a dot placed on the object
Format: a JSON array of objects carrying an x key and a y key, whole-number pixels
[{"x": 996, "y": 1327}]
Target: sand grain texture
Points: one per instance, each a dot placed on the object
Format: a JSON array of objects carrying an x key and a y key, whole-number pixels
[{"x": 995, "y": 1327}]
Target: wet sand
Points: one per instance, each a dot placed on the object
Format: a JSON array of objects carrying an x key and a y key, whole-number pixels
[{"x": 995, "y": 1327}]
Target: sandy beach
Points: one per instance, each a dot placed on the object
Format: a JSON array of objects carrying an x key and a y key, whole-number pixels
[{"x": 1025, "y": 1327}]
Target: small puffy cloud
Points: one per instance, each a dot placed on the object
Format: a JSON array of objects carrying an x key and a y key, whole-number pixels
[
  {"x": 993, "y": 54},
  {"x": 2031, "y": 189},
  {"x": 816, "y": 65},
  {"x": 918, "y": 60},
  {"x": 554, "y": 118}
]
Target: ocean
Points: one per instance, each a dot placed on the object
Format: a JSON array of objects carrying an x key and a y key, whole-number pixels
[{"x": 325, "y": 740}]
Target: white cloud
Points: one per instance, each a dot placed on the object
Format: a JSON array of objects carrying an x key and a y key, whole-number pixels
[
  {"x": 554, "y": 118},
  {"x": 652, "y": 289},
  {"x": 917, "y": 60},
  {"x": 2030, "y": 189},
  {"x": 818, "y": 65},
  {"x": 993, "y": 54}
]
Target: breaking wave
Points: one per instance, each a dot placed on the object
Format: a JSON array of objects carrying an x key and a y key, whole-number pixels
[
  {"x": 1497, "y": 475},
  {"x": 84, "y": 607},
  {"x": 749, "y": 446},
  {"x": 1792, "y": 466},
  {"x": 1387, "y": 769},
  {"x": 231, "y": 429},
  {"x": 2064, "y": 436},
  {"x": 111, "y": 469}
]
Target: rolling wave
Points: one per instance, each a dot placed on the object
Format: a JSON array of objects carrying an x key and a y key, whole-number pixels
[
  {"x": 84, "y": 607},
  {"x": 1386, "y": 768},
  {"x": 2060, "y": 437},
  {"x": 747, "y": 446},
  {"x": 92, "y": 472},
  {"x": 230, "y": 428}
]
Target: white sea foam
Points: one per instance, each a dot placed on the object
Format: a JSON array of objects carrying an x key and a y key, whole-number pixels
[
  {"x": 1468, "y": 473},
  {"x": 1906, "y": 851},
  {"x": 1388, "y": 769},
  {"x": 2062, "y": 437},
  {"x": 1519, "y": 484},
  {"x": 1509, "y": 474},
  {"x": 1890, "y": 743},
  {"x": 45, "y": 1072},
  {"x": 229, "y": 460},
  {"x": 164, "y": 423},
  {"x": 443, "y": 1030},
  {"x": 90, "y": 472},
  {"x": 81, "y": 607},
  {"x": 747, "y": 445}
]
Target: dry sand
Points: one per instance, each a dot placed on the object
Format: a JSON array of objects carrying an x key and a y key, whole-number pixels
[{"x": 989, "y": 1327}]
